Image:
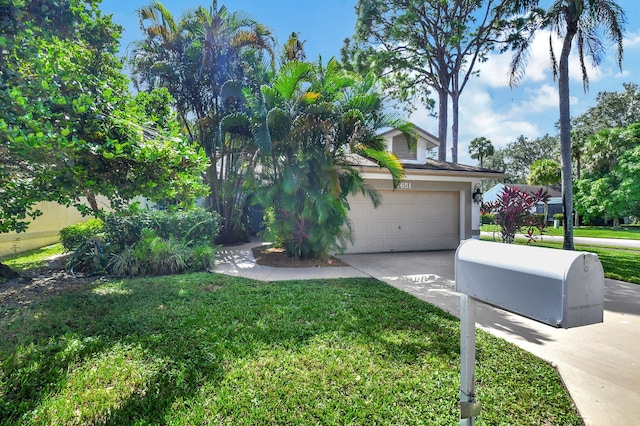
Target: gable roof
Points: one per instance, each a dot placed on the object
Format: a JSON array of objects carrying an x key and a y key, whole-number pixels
[{"x": 431, "y": 140}]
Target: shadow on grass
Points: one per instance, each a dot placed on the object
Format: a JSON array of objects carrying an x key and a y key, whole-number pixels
[{"x": 190, "y": 330}]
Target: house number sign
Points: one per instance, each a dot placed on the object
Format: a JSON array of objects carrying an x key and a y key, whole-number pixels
[{"x": 404, "y": 185}]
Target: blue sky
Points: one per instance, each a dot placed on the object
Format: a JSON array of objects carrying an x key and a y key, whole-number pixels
[{"x": 489, "y": 107}]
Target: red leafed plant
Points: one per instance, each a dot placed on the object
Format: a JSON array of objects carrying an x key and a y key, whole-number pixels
[{"x": 514, "y": 211}]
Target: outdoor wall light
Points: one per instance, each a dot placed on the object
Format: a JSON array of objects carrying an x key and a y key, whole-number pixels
[{"x": 477, "y": 194}]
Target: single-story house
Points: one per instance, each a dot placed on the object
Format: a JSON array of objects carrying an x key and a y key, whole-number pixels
[
  {"x": 554, "y": 205},
  {"x": 432, "y": 209}
]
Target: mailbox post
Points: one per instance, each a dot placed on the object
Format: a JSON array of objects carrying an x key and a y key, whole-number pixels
[{"x": 556, "y": 287}]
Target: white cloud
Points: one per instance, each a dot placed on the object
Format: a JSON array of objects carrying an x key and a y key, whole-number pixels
[
  {"x": 479, "y": 116},
  {"x": 631, "y": 41}
]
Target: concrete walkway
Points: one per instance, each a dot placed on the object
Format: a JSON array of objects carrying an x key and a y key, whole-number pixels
[{"x": 600, "y": 364}]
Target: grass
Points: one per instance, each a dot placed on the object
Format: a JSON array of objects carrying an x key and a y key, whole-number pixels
[
  {"x": 618, "y": 263},
  {"x": 36, "y": 258},
  {"x": 627, "y": 232},
  {"x": 211, "y": 349}
]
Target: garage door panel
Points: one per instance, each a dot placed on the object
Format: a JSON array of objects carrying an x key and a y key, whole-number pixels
[{"x": 406, "y": 221}]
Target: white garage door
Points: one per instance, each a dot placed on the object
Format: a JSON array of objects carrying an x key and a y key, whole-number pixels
[{"x": 406, "y": 221}]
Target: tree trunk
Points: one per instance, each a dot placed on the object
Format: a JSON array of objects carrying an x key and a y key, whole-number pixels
[
  {"x": 455, "y": 99},
  {"x": 93, "y": 203},
  {"x": 616, "y": 222},
  {"x": 565, "y": 139},
  {"x": 8, "y": 273},
  {"x": 443, "y": 99}
]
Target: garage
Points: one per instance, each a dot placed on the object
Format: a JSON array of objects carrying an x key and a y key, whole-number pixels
[{"x": 407, "y": 220}]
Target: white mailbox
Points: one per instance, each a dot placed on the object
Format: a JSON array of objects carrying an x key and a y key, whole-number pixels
[{"x": 560, "y": 288}]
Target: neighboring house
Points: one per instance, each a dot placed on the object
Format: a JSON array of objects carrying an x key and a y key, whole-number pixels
[
  {"x": 555, "y": 196},
  {"x": 45, "y": 229},
  {"x": 432, "y": 209}
]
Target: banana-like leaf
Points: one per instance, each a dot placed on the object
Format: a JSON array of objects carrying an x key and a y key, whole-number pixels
[
  {"x": 237, "y": 123},
  {"x": 279, "y": 124},
  {"x": 290, "y": 77}
]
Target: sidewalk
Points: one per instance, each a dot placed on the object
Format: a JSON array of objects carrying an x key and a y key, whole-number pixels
[{"x": 600, "y": 364}]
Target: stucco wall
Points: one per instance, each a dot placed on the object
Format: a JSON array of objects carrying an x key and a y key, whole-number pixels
[{"x": 43, "y": 230}]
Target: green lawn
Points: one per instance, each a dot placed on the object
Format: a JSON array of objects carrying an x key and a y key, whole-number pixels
[
  {"x": 627, "y": 232},
  {"x": 618, "y": 264},
  {"x": 211, "y": 349},
  {"x": 31, "y": 259}
]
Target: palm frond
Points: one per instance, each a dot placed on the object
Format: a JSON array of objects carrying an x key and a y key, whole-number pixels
[{"x": 389, "y": 161}]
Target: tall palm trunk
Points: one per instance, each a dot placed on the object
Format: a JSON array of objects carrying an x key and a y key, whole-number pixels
[{"x": 565, "y": 136}]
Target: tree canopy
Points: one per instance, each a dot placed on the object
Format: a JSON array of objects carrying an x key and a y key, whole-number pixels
[
  {"x": 609, "y": 186},
  {"x": 516, "y": 159},
  {"x": 420, "y": 46},
  {"x": 70, "y": 128},
  {"x": 481, "y": 148}
]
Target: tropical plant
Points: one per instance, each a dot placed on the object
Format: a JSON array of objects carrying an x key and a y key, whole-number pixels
[
  {"x": 609, "y": 186},
  {"x": 480, "y": 148},
  {"x": 583, "y": 21},
  {"x": 205, "y": 59},
  {"x": 293, "y": 49},
  {"x": 513, "y": 211},
  {"x": 319, "y": 117}
]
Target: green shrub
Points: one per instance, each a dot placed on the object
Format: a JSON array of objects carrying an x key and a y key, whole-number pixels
[
  {"x": 487, "y": 218},
  {"x": 202, "y": 257},
  {"x": 558, "y": 216},
  {"x": 192, "y": 227},
  {"x": 160, "y": 242},
  {"x": 125, "y": 262},
  {"x": 72, "y": 236}
]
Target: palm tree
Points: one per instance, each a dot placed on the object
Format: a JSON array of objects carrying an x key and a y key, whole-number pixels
[
  {"x": 481, "y": 147},
  {"x": 205, "y": 59},
  {"x": 318, "y": 116},
  {"x": 293, "y": 49},
  {"x": 583, "y": 21}
]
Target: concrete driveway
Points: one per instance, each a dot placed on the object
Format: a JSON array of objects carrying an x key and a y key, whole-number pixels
[{"x": 600, "y": 364}]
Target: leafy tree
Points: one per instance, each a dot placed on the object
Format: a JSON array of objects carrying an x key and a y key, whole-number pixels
[
  {"x": 608, "y": 186},
  {"x": 426, "y": 45},
  {"x": 516, "y": 158},
  {"x": 480, "y": 148},
  {"x": 70, "y": 128},
  {"x": 612, "y": 110},
  {"x": 318, "y": 117},
  {"x": 205, "y": 59},
  {"x": 628, "y": 170},
  {"x": 584, "y": 21},
  {"x": 544, "y": 172}
]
